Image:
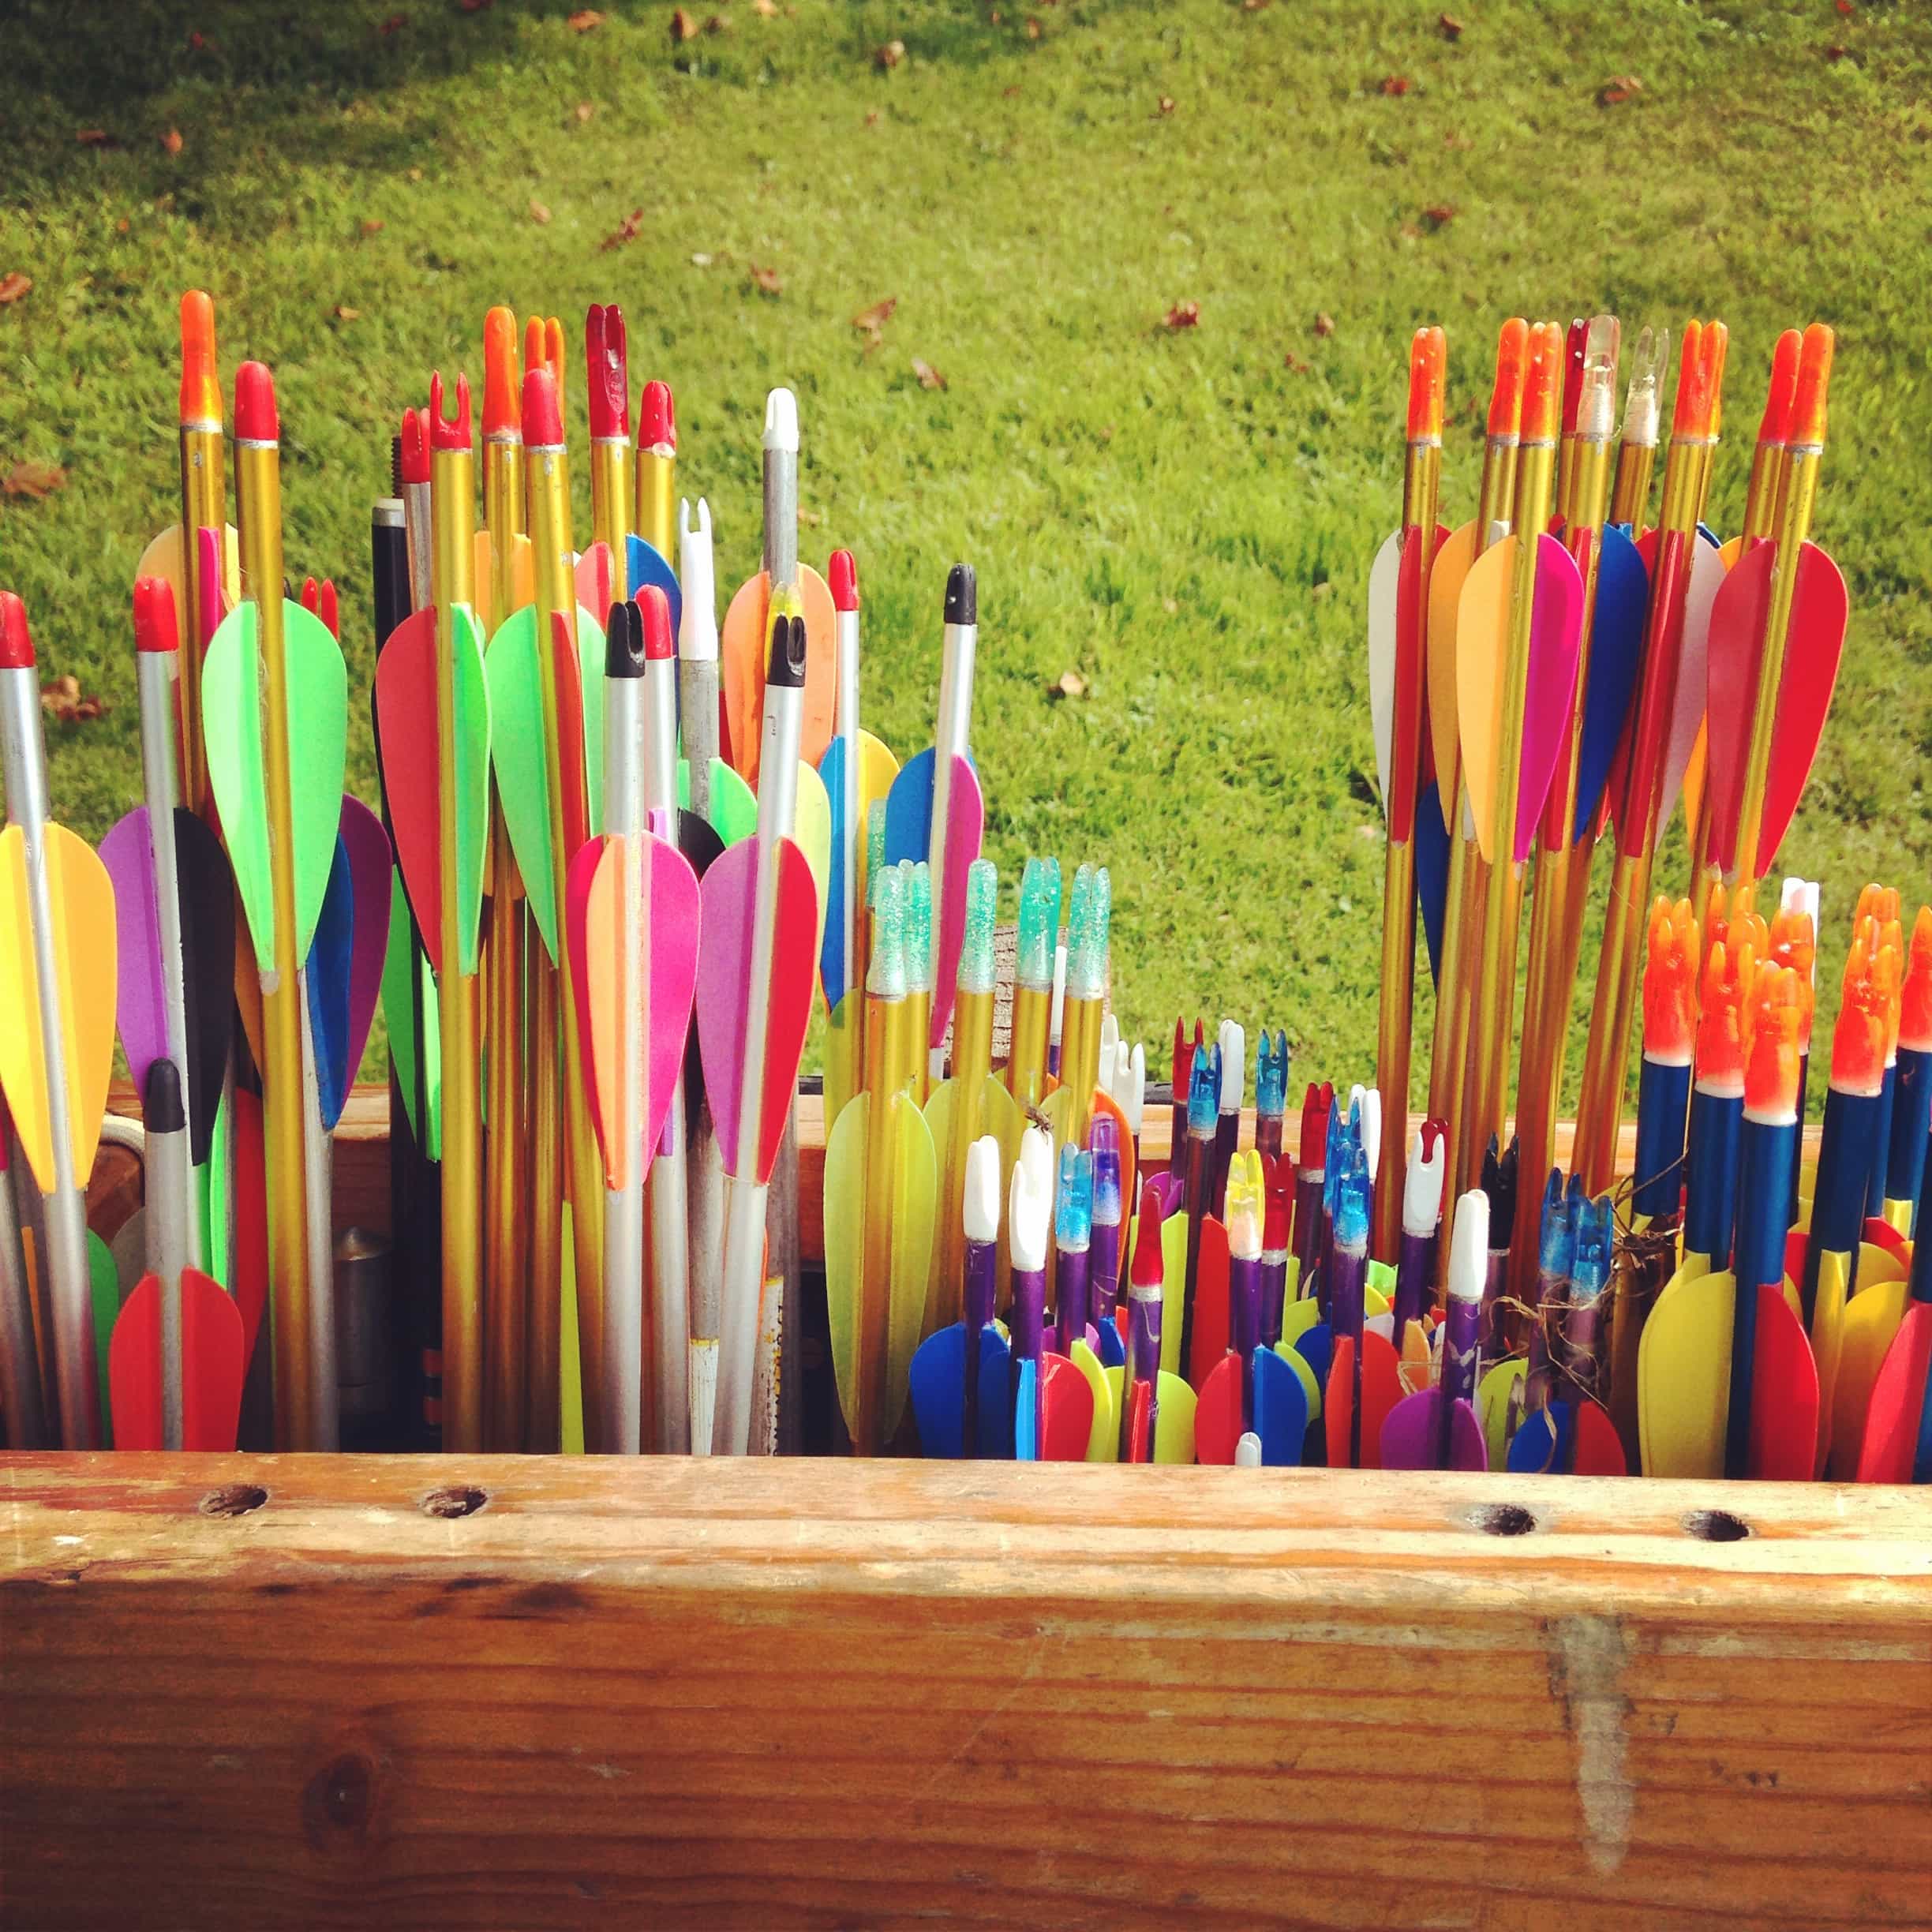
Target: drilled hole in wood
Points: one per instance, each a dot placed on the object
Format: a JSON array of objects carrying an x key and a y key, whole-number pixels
[
  {"x": 1716, "y": 1527},
  {"x": 233, "y": 1500},
  {"x": 1505, "y": 1519},
  {"x": 451, "y": 1503}
]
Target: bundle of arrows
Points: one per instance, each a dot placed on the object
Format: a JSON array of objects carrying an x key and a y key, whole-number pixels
[{"x": 622, "y": 852}]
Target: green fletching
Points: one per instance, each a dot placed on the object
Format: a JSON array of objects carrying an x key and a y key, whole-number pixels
[
  {"x": 104, "y": 1297},
  {"x": 734, "y": 804},
  {"x": 317, "y": 707},
  {"x": 590, "y": 670},
  {"x": 472, "y": 712},
  {"x": 976, "y": 970},
  {"x": 517, "y": 740},
  {"x": 1039, "y": 922},
  {"x": 416, "y": 1054}
]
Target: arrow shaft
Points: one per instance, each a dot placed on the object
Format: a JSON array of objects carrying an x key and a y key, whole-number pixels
[
  {"x": 19, "y": 1361},
  {"x": 852, "y": 819},
  {"x": 744, "y": 1257},
  {"x": 972, "y": 1061},
  {"x": 203, "y": 507},
  {"x": 23, "y": 755},
  {"x": 611, "y": 513},
  {"x": 165, "y": 1174}
]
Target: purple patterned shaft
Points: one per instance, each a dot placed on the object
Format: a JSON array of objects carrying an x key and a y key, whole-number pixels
[
  {"x": 1415, "y": 1269},
  {"x": 1072, "y": 1314},
  {"x": 1244, "y": 1324},
  {"x": 1103, "y": 1270},
  {"x": 1461, "y": 1345},
  {"x": 981, "y": 1286},
  {"x": 1274, "y": 1265},
  {"x": 1143, "y": 1347}
]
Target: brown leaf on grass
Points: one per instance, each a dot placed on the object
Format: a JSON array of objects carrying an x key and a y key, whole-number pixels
[
  {"x": 171, "y": 141},
  {"x": 717, "y": 23},
  {"x": 874, "y": 118},
  {"x": 345, "y": 313},
  {"x": 1440, "y": 216},
  {"x": 94, "y": 137},
  {"x": 393, "y": 26},
  {"x": 586, "y": 19},
  {"x": 1253, "y": 6},
  {"x": 371, "y": 226},
  {"x": 1182, "y": 316},
  {"x": 584, "y": 111},
  {"x": 1294, "y": 364},
  {"x": 1033, "y": 28},
  {"x": 1395, "y": 85},
  {"x": 683, "y": 26},
  {"x": 766, "y": 9},
  {"x": 1067, "y": 684},
  {"x": 1834, "y": 52},
  {"x": 62, "y": 698},
  {"x": 1324, "y": 323},
  {"x": 870, "y": 322},
  {"x": 1617, "y": 90},
  {"x": 889, "y": 55},
  {"x": 1165, "y": 105},
  {"x": 768, "y": 280},
  {"x": 538, "y": 213},
  {"x": 32, "y": 479},
  {"x": 811, "y": 519},
  {"x": 122, "y": 225},
  {"x": 628, "y": 229},
  {"x": 13, "y": 285},
  {"x": 475, "y": 6},
  {"x": 929, "y": 377},
  {"x": 1451, "y": 28}
]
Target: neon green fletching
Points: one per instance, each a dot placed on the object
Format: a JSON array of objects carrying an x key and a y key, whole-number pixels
[
  {"x": 590, "y": 670},
  {"x": 517, "y": 754},
  {"x": 104, "y": 1297},
  {"x": 317, "y": 700},
  {"x": 472, "y": 712},
  {"x": 211, "y": 1201},
  {"x": 417, "y": 1056},
  {"x": 734, "y": 804}
]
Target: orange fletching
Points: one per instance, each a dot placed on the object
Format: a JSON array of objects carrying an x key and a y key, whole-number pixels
[{"x": 1915, "y": 996}]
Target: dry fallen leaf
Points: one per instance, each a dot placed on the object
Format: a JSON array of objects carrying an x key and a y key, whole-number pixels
[
  {"x": 171, "y": 141},
  {"x": 62, "y": 698},
  {"x": 1617, "y": 90},
  {"x": 682, "y": 26},
  {"x": 371, "y": 227},
  {"x": 810, "y": 518},
  {"x": 1835, "y": 52},
  {"x": 627, "y": 229},
  {"x": 701, "y": 259},
  {"x": 345, "y": 313},
  {"x": 1067, "y": 684},
  {"x": 94, "y": 137},
  {"x": 1165, "y": 105},
  {"x": 890, "y": 55},
  {"x": 13, "y": 285},
  {"x": 1182, "y": 315},
  {"x": 1324, "y": 323},
  {"x": 1293, "y": 363},
  {"x": 585, "y": 110},
  {"x": 929, "y": 377},
  {"x": 869, "y": 322},
  {"x": 32, "y": 479},
  {"x": 415, "y": 174},
  {"x": 1033, "y": 29},
  {"x": 393, "y": 26},
  {"x": 1395, "y": 84},
  {"x": 1253, "y": 6},
  {"x": 586, "y": 19},
  {"x": 475, "y": 6},
  {"x": 1440, "y": 216},
  {"x": 769, "y": 279},
  {"x": 717, "y": 23},
  {"x": 874, "y": 118},
  {"x": 122, "y": 225},
  {"x": 538, "y": 213},
  {"x": 1451, "y": 27},
  {"x": 765, "y": 9}
]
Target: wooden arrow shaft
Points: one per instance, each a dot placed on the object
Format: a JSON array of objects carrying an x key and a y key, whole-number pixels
[{"x": 203, "y": 507}]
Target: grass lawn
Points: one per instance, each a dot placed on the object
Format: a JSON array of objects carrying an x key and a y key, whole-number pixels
[{"x": 1184, "y": 517}]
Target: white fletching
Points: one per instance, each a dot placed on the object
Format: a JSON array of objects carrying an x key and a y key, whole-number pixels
[{"x": 1234, "y": 1043}]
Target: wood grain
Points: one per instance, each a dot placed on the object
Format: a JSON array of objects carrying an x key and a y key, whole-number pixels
[{"x": 824, "y": 1694}]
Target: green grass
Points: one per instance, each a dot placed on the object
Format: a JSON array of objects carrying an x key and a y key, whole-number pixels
[{"x": 1184, "y": 519}]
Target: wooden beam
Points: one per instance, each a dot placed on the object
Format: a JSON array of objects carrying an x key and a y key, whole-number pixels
[{"x": 309, "y": 1692}]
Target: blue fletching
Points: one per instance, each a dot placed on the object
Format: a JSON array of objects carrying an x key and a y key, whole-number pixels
[
  {"x": 1026, "y": 1414},
  {"x": 1541, "y": 1443},
  {"x": 1431, "y": 870},
  {"x": 832, "y": 953},
  {"x": 937, "y": 1376},
  {"x": 1616, "y": 651},
  {"x": 909, "y": 810},
  {"x": 327, "y": 975},
  {"x": 996, "y": 1397},
  {"x": 1113, "y": 1350},
  {"x": 1281, "y": 1416},
  {"x": 642, "y": 566},
  {"x": 1315, "y": 1346}
]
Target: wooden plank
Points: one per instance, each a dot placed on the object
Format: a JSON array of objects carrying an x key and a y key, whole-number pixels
[
  {"x": 362, "y": 1157},
  {"x": 828, "y": 1694}
]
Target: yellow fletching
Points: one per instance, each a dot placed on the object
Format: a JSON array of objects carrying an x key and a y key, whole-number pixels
[
  {"x": 1446, "y": 574},
  {"x": 1481, "y": 652}
]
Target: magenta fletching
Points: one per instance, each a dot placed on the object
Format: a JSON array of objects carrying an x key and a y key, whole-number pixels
[{"x": 1556, "y": 634}]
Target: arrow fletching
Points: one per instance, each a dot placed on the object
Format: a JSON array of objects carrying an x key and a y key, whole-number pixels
[
  {"x": 213, "y": 1365},
  {"x": 1616, "y": 651},
  {"x": 909, "y": 835},
  {"x": 743, "y": 645},
  {"x": 644, "y": 566}
]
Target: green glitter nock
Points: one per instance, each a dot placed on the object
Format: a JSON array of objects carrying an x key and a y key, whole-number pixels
[
  {"x": 1039, "y": 922},
  {"x": 885, "y": 978},
  {"x": 976, "y": 972},
  {"x": 875, "y": 849},
  {"x": 918, "y": 926},
  {"x": 1086, "y": 934}
]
